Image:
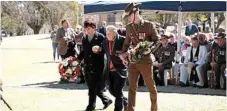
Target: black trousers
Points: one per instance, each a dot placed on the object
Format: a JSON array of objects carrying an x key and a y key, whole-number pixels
[
  {"x": 96, "y": 84},
  {"x": 218, "y": 70},
  {"x": 205, "y": 67},
  {"x": 116, "y": 85},
  {"x": 161, "y": 73}
]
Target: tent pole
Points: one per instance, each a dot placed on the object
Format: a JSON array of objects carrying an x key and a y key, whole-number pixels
[
  {"x": 179, "y": 34},
  {"x": 212, "y": 23},
  {"x": 226, "y": 39},
  {"x": 81, "y": 16}
]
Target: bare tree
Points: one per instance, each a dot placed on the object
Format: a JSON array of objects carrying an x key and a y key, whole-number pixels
[
  {"x": 56, "y": 11},
  {"x": 36, "y": 13},
  {"x": 13, "y": 11},
  {"x": 31, "y": 13}
]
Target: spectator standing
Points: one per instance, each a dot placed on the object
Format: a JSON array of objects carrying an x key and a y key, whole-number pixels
[
  {"x": 53, "y": 36},
  {"x": 66, "y": 40},
  {"x": 121, "y": 31},
  {"x": 102, "y": 29},
  {"x": 191, "y": 29}
]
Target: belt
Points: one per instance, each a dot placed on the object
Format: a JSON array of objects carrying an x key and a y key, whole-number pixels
[{"x": 112, "y": 70}]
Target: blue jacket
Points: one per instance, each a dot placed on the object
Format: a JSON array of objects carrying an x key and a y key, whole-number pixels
[
  {"x": 193, "y": 30},
  {"x": 102, "y": 30}
]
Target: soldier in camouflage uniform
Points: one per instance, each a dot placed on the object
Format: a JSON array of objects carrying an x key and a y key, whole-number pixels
[
  {"x": 219, "y": 63},
  {"x": 164, "y": 57}
]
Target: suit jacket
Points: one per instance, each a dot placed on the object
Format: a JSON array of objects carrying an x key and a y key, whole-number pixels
[
  {"x": 193, "y": 30},
  {"x": 94, "y": 63},
  {"x": 121, "y": 32},
  {"x": 116, "y": 50},
  {"x": 102, "y": 30},
  {"x": 62, "y": 43}
]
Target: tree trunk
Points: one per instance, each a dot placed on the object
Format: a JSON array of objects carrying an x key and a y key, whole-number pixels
[
  {"x": 35, "y": 28},
  {"x": 52, "y": 27},
  {"x": 36, "y": 31},
  {"x": 218, "y": 25}
]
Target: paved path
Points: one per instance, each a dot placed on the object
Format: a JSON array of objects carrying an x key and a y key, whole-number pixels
[{"x": 31, "y": 84}]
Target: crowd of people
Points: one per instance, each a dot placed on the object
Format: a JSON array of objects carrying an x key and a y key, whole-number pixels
[
  {"x": 205, "y": 42},
  {"x": 103, "y": 51}
]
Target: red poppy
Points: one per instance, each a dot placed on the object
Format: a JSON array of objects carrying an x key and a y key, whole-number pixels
[
  {"x": 77, "y": 71},
  {"x": 60, "y": 68},
  {"x": 63, "y": 75},
  {"x": 137, "y": 50}
]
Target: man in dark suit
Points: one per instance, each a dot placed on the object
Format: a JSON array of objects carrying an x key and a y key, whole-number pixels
[
  {"x": 121, "y": 31},
  {"x": 65, "y": 38},
  {"x": 116, "y": 70},
  {"x": 102, "y": 29},
  {"x": 93, "y": 55},
  {"x": 191, "y": 29}
]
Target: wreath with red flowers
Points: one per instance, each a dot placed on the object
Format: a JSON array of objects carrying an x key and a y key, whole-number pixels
[{"x": 69, "y": 69}]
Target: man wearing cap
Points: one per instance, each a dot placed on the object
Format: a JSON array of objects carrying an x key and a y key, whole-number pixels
[
  {"x": 219, "y": 63},
  {"x": 164, "y": 57},
  {"x": 195, "y": 56},
  {"x": 139, "y": 30}
]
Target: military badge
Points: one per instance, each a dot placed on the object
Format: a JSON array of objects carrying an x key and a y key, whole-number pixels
[
  {"x": 167, "y": 53},
  {"x": 222, "y": 53},
  {"x": 141, "y": 36}
]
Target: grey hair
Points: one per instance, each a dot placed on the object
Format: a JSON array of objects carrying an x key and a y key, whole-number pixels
[{"x": 111, "y": 28}]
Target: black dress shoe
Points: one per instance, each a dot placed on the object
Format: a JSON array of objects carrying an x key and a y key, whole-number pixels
[
  {"x": 224, "y": 86},
  {"x": 90, "y": 108},
  {"x": 182, "y": 84},
  {"x": 205, "y": 85},
  {"x": 217, "y": 87},
  {"x": 194, "y": 85},
  {"x": 106, "y": 105},
  {"x": 200, "y": 87}
]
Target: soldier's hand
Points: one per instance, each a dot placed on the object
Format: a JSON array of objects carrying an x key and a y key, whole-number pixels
[
  {"x": 124, "y": 61},
  {"x": 147, "y": 51},
  {"x": 133, "y": 51},
  {"x": 65, "y": 38}
]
